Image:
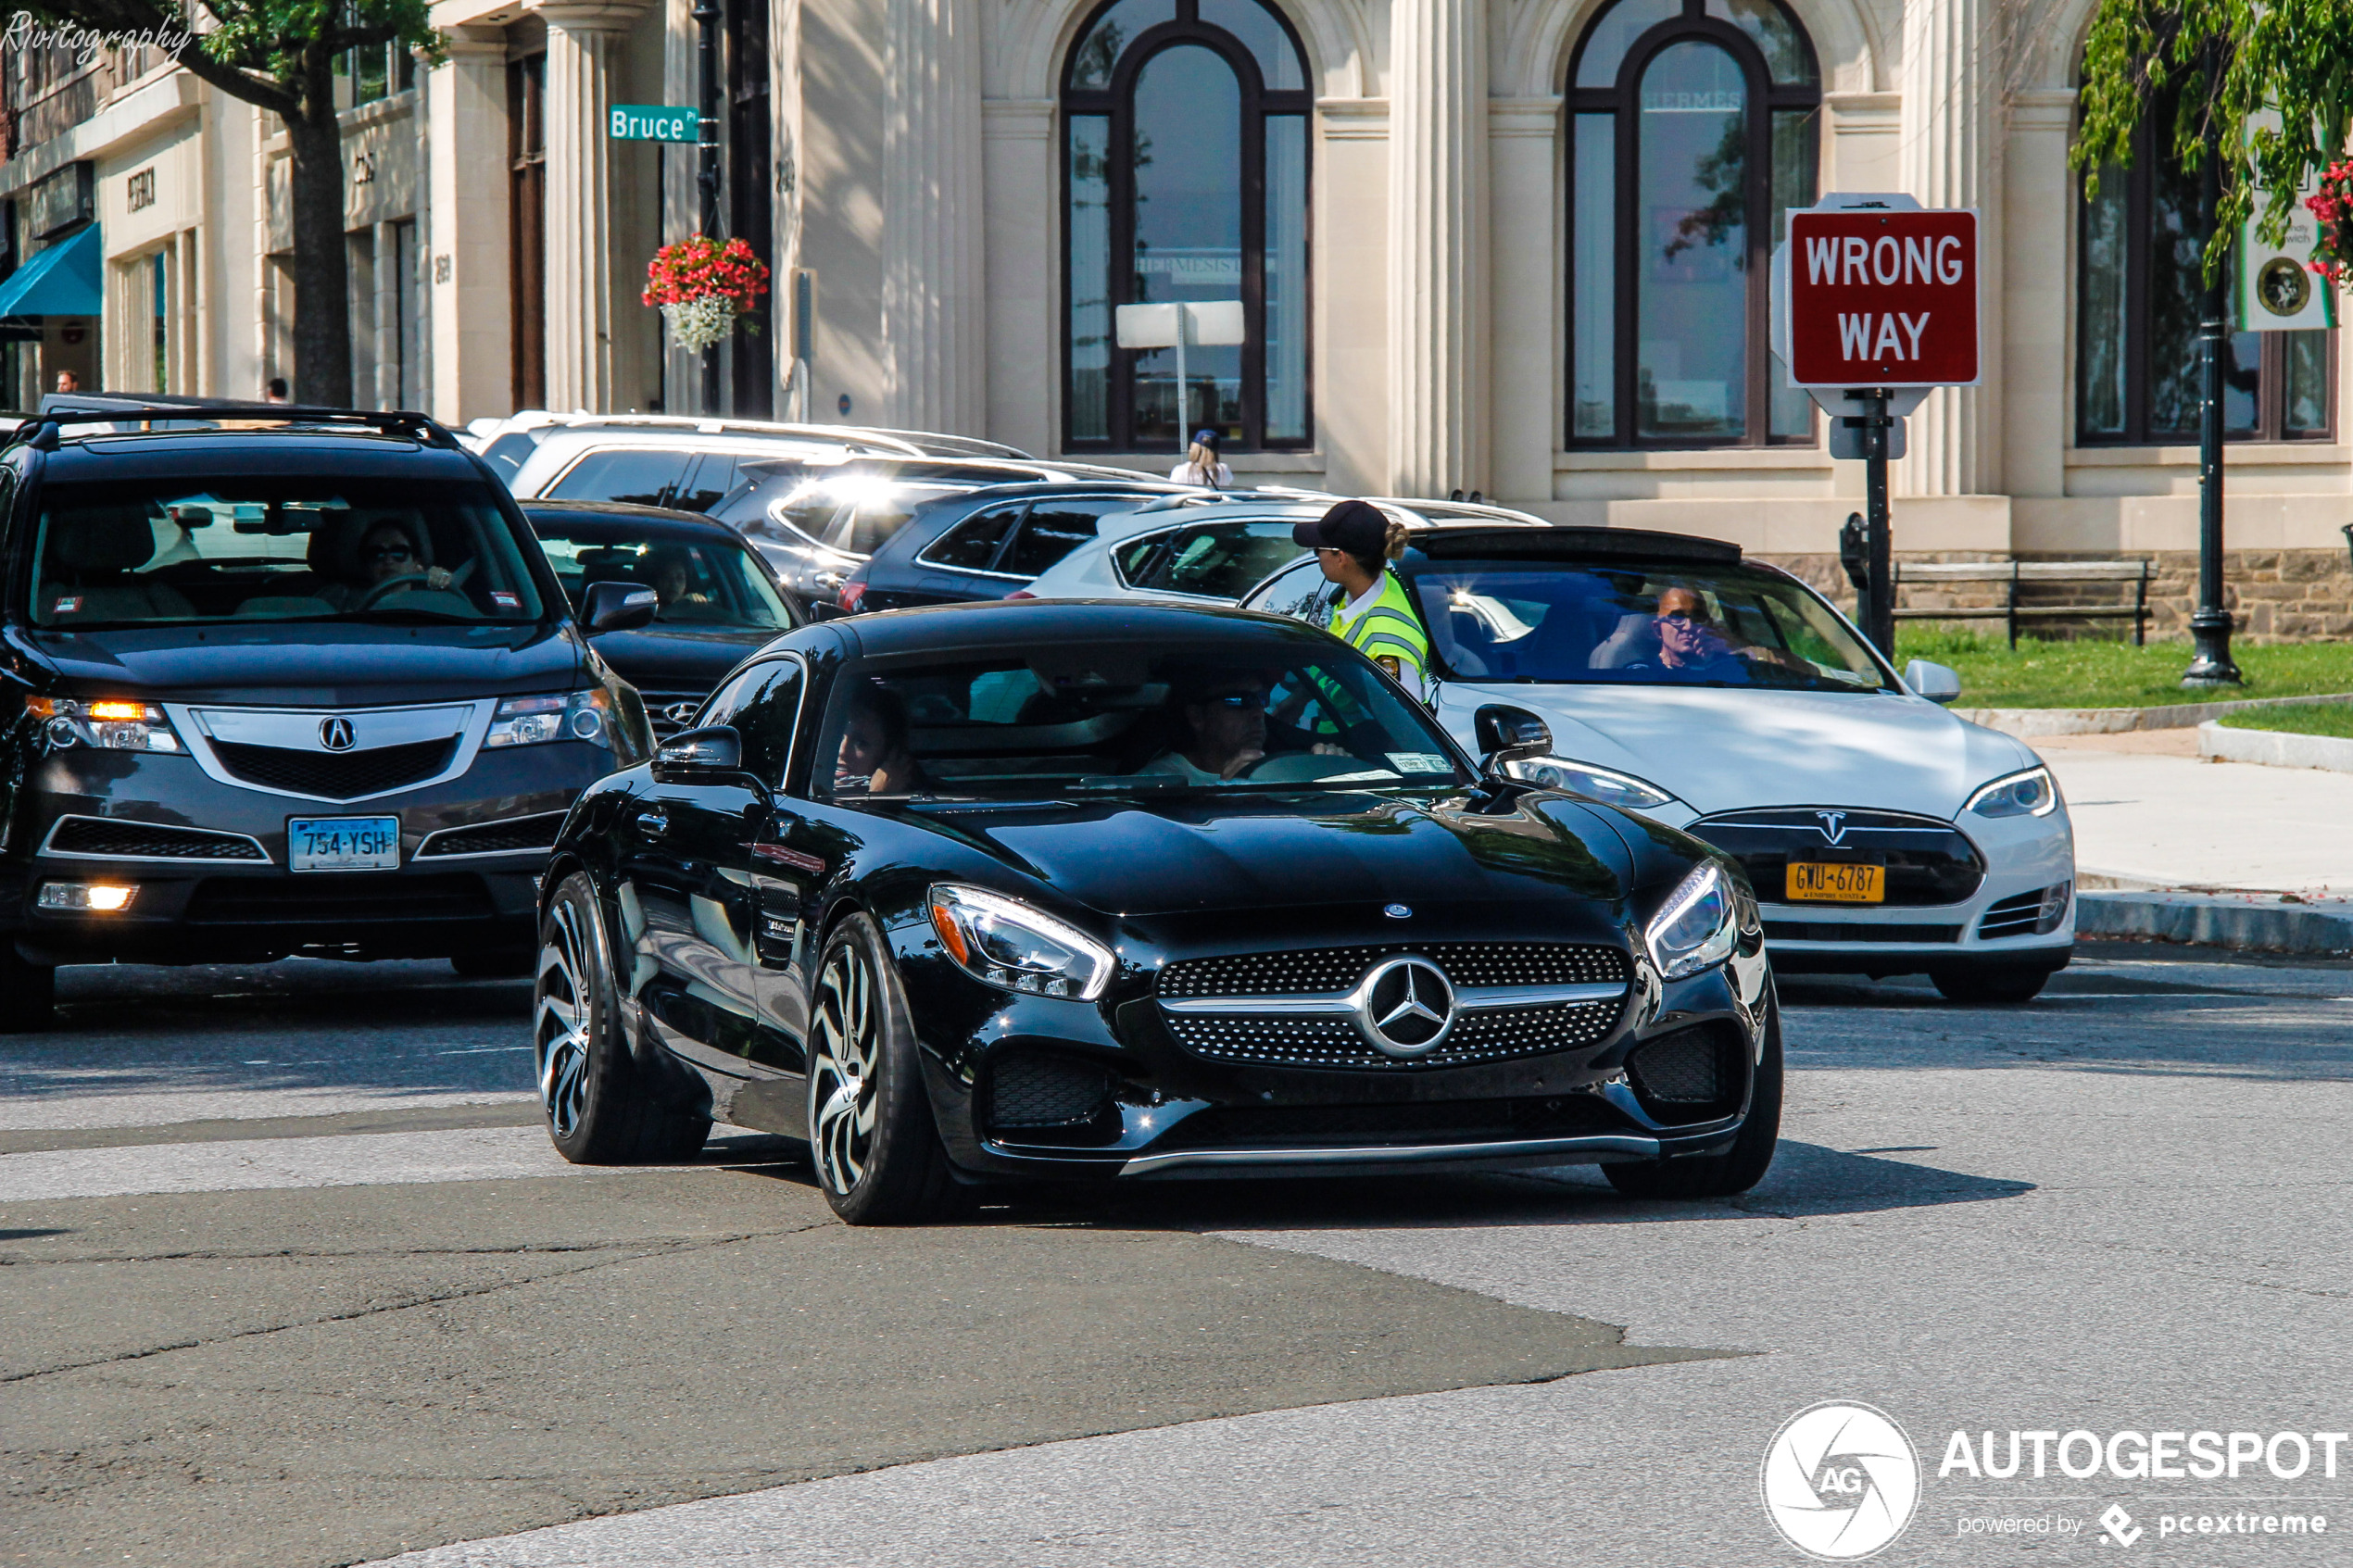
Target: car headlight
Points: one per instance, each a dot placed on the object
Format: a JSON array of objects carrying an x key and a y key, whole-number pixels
[
  {"x": 534, "y": 720},
  {"x": 1594, "y": 784},
  {"x": 1004, "y": 941},
  {"x": 108, "y": 724},
  {"x": 1700, "y": 923},
  {"x": 2030, "y": 794}
]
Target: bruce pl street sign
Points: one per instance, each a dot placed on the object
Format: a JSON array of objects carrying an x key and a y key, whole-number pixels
[{"x": 652, "y": 122}]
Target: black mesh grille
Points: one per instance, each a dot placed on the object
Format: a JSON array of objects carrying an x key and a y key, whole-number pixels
[
  {"x": 323, "y": 898},
  {"x": 93, "y": 836},
  {"x": 490, "y": 838},
  {"x": 1692, "y": 1075},
  {"x": 1472, "y": 1121},
  {"x": 337, "y": 775},
  {"x": 1835, "y": 930},
  {"x": 1338, "y": 969},
  {"x": 2013, "y": 917},
  {"x": 1043, "y": 1091},
  {"x": 1335, "y": 1042}
]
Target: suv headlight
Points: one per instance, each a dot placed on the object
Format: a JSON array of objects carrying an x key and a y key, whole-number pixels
[
  {"x": 2030, "y": 794},
  {"x": 533, "y": 720},
  {"x": 1700, "y": 923},
  {"x": 1594, "y": 784},
  {"x": 1004, "y": 941},
  {"x": 108, "y": 724}
]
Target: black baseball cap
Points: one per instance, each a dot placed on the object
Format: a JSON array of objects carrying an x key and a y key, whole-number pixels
[{"x": 1358, "y": 527}]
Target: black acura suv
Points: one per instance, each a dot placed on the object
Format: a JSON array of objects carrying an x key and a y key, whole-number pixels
[{"x": 288, "y": 680}]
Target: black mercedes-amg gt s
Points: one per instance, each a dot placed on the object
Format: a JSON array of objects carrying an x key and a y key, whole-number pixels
[{"x": 982, "y": 892}]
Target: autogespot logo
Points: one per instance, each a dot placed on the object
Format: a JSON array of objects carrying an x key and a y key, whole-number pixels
[{"x": 1841, "y": 1481}]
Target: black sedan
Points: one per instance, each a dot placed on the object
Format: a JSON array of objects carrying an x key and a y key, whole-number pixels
[
  {"x": 1116, "y": 891},
  {"x": 716, "y": 599}
]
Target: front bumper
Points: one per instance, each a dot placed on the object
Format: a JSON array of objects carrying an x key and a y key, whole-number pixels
[{"x": 471, "y": 849}]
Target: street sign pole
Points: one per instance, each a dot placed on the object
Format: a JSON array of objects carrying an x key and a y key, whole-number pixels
[
  {"x": 706, "y": 15},
  {"x": 1878, "y": 608}
]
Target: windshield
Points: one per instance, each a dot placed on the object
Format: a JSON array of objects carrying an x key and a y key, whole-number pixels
[
  {"x": 1657, "y": 624},
  {"x": 307, "y": 548},
  {"x": 1127, "y": 719},
  {"x": 704, "y": 584}
]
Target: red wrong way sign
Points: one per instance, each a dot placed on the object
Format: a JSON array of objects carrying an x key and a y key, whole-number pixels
[{"x": 1882, "y": 297}]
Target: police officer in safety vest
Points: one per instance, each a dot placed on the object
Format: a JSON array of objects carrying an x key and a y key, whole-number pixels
[{"x": 1353, "y": 543}]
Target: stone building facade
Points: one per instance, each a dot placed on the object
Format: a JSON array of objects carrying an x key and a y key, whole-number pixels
[{"x": 1513, "y": 246}]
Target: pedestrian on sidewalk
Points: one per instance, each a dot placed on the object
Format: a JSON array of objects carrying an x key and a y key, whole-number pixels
[
  {"x": 1200, "y": 465},
  {"x": 1353, "y": 543}
]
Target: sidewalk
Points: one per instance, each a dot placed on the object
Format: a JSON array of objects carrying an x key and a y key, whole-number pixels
[{"x": 2148, "y": 814}]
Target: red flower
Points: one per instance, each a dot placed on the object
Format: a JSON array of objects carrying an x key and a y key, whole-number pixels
[{"x": 700, "y": 268}]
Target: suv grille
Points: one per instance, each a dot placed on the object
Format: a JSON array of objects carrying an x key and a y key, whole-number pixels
[
  {"x": 327, "y": 899},
  {"x": 493, "y": 838},
  {"x": 331, "y": 775},
  {"x": 100, "y": 835}
]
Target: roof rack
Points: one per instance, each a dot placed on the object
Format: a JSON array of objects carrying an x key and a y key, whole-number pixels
[{"x": 59, "y": 409}]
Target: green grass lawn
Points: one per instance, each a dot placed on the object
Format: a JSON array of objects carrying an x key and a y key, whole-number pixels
[
  {"x": 2318, "y": 719},
  {"x": 2117, "y": 675}
]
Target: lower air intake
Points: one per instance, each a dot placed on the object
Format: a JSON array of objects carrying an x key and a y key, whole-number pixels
[{"x": 1031, "y": 1092}]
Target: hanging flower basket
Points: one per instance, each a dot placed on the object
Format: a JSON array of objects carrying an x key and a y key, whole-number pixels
[
  {"x": 703, "y": 289},
  {"x": 2332, "y": 205}
]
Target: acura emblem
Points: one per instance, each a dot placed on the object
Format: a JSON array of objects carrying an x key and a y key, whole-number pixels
[
  {"x": 1405, "y": 1007},
  {"x": 1833, "y": 824},
  {"x": 335, "y": 733}
]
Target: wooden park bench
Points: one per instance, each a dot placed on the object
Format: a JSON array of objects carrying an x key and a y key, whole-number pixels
[{"x": 2032, "y": 573}]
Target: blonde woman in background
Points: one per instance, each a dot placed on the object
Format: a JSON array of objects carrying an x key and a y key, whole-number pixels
[{"x": 1200, "y": 465}]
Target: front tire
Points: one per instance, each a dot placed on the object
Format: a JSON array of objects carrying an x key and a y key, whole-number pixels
[
  {"x": 599, "y": 1109},
  {"x": 870, "y": 1134},
  {"x": 2006, "y": 986},
  {"x": 28, "y": 992},
  {"x": 1739, "y": 1167}
]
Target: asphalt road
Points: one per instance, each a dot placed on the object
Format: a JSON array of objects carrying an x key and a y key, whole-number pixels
[{"x": 290, "y": 1278}]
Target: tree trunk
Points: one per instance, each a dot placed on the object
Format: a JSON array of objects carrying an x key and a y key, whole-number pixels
[{"x": 321, "y": 262}]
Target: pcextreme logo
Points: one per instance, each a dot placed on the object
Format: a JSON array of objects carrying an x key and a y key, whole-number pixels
[{"x": 1840, "y": 1480}]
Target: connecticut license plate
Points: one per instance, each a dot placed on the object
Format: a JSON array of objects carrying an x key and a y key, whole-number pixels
[
  {"x": 1836, "y": 881},
  {"x": 343, "y": 844}
]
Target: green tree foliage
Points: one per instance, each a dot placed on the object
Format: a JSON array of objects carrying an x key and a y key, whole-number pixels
[
  {"x": 2221, "y": 62},
  {"x": 281, "y": 55}
]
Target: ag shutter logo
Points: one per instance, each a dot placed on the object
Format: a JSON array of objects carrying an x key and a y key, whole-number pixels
[{"x": 1840, "y": 1481}]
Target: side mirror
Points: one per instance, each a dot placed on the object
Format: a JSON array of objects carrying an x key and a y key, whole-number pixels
[
  {"x": 617, "y": 607},
  {"x": 698, "y": 754},
  {"x": 1507, "y": 734},
  {"x": 1938, "y": 682}
]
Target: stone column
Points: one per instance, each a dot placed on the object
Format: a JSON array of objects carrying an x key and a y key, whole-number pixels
[
  {"x": 1952, "y": 128},
  {"x": 1438, "y": 228},
  {"x": 1527, "y": 410},
  {"x": 464, "y": 235},
  {"x": 583, "y": 39},
  {"x": 934, "y": 316}
]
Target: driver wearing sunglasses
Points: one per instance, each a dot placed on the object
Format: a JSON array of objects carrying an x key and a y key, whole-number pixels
[
  {"x": 388, "y": 550},
  {"x": 1224, "y": 723}
]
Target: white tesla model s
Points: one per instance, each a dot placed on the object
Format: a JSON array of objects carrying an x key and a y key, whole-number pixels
[{"x": 1668, "y": 677}]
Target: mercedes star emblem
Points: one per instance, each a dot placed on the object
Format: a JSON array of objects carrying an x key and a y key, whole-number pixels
[
  {"x": 335, "y": 733},
  {"x": 1405, "y": 1007}
]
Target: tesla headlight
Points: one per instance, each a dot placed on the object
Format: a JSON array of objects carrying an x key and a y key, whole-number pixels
[
  {"x": 1700, "y": 923},
  {"x": 533, "y": 720},
  {"x": 2030, "y": 794},
  {"x": 1006, "y": 943},
  {"x": 1594, "y": 784},
  {"x": 108, "y": 724}
]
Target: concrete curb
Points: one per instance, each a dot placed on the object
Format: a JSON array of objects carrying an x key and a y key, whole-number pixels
[
  {"x": 2275, "y": 748},
  {"x": 2254, "y": 921},
  {"x": 2034, "y": 723}
]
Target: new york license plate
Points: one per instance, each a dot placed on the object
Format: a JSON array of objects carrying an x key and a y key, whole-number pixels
[
  {"x": 1835, "y": 881},
  {"x": 343, "y": 844}
]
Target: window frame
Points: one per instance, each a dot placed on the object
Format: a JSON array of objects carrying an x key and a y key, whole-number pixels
[
  {"x": 1116, "y": 103},
  {"x": 759, "y": 670},
  {"x": 2271, "y": 375},
  {"x": 1622, "y": 102}
]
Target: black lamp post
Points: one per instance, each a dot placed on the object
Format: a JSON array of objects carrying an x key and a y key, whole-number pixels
[
  {"x": 706, "y": 13},
  {"x": 2210, "y": 626}
]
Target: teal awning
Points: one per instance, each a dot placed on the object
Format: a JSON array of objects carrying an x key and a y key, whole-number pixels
[{"x": 61, "y": 281}]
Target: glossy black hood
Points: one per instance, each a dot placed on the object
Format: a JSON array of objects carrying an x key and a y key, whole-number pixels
[
  {"x": 1200, "y": 853},
  {"x": 676, "y": 658},
  {"x": 328, "y": 664}
]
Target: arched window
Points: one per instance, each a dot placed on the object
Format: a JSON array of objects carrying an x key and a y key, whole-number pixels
[
  {"x": 2138, "y": 380},
  {"x": 1692, "y": 132},
  {"x": 1185, "y": 177}
]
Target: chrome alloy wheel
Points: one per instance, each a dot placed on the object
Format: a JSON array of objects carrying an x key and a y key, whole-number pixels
[
  {"x": 561, "y": 1020},
  {"x": 844, "y": 1047}
]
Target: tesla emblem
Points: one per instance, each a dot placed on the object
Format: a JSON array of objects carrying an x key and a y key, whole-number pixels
[
  {"x": 335, "y": 733},
  {"x": 1405, "y": 1007},
  {"x": 1833, "y": 824}
]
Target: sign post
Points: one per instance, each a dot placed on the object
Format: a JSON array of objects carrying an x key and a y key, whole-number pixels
[
  {"x": 1876, "y": 302},
  {"x": 1209, "y": 323}
]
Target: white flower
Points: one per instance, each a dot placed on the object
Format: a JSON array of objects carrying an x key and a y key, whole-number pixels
[{"x": 700, "y": 324}]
